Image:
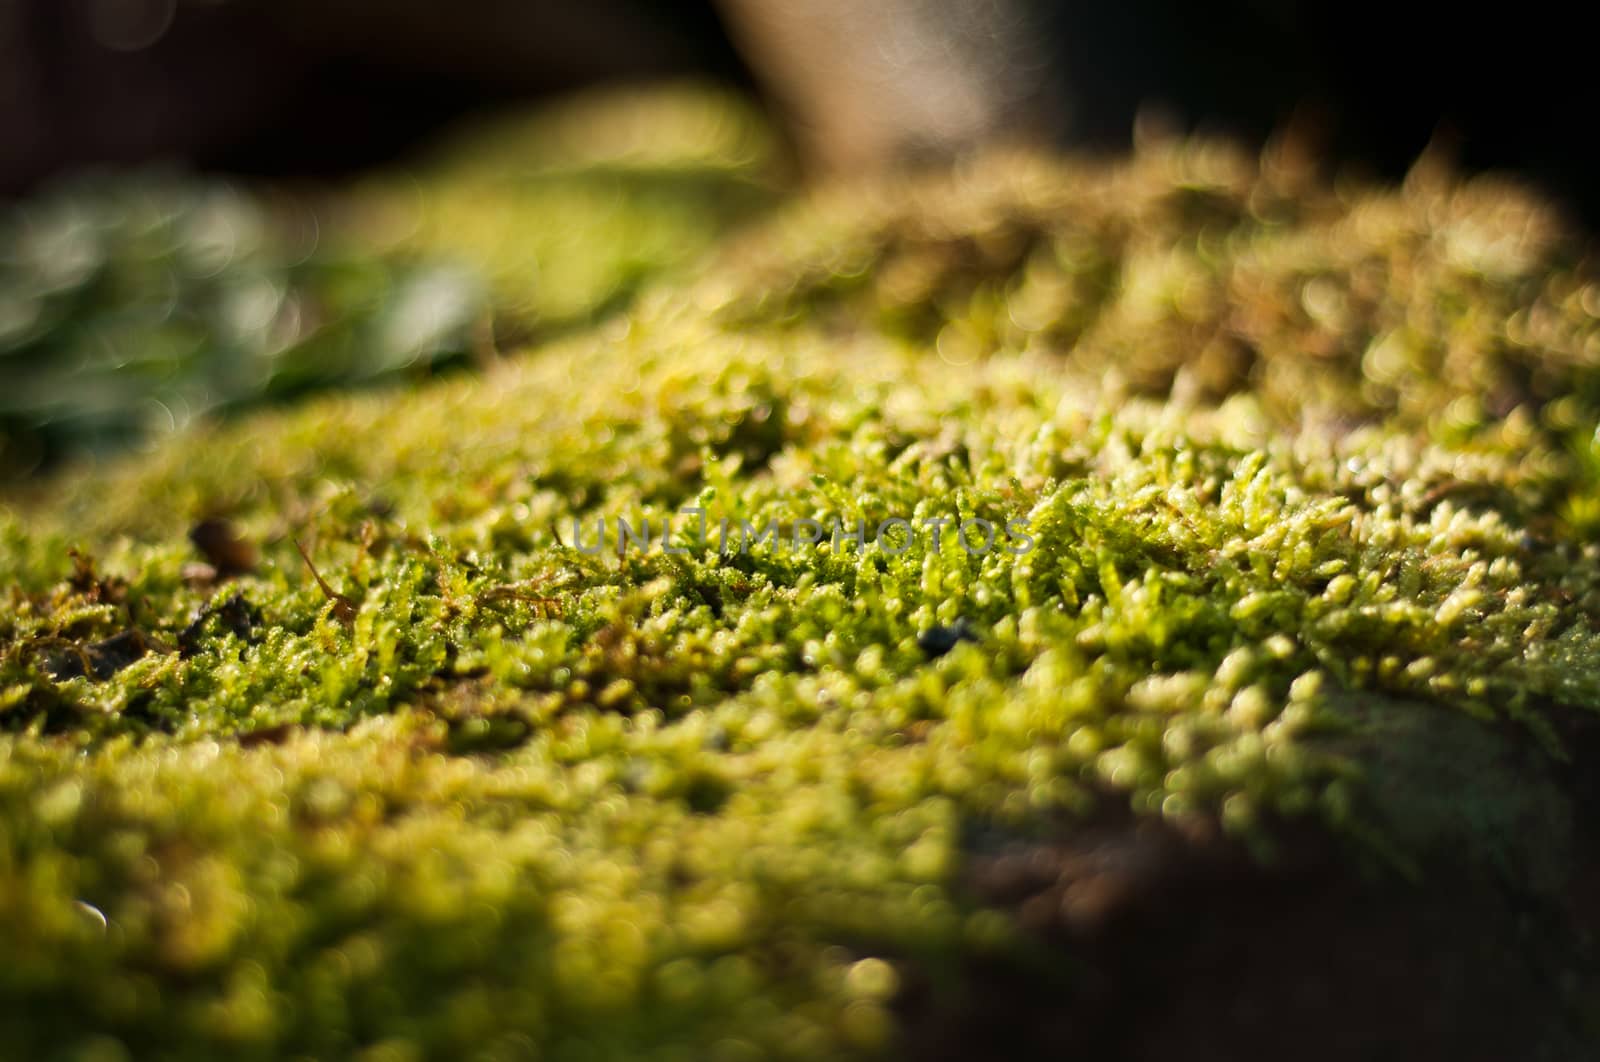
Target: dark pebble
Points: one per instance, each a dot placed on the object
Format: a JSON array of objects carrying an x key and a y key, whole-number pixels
[{"x": 937, "y": 641}]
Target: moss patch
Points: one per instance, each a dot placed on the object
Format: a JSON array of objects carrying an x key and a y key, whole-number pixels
[{"x": 1302, "y": 472}]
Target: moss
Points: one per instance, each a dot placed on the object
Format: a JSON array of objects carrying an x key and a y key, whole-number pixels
[
  {"x": 569, "y": 213},
  {"x": 1302, "y": 472}
]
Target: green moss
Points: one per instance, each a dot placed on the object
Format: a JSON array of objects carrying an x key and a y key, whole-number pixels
[
  {"x": 1299, "y": 470},
  {"x": 569, "y": 212}
]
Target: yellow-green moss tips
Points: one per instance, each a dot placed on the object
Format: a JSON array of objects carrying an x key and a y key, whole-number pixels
[{"x": 1297, "y": 468}]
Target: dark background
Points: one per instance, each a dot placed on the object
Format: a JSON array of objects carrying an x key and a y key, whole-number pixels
[{"x": 302, "y": 87}]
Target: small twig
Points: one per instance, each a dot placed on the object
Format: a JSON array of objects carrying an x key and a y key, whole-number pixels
[
  {"x": 546, "y": 607},
  {"x": 525, "y": 592},
  {"x": 344, "y": 610}
]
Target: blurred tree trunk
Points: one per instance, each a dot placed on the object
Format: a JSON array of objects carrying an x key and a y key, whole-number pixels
[{"x": 897, "y": 80}]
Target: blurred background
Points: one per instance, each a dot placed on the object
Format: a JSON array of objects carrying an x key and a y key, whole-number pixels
[
  {"x": 210, "y": 204},
  {"x": 324, "y": 86}
]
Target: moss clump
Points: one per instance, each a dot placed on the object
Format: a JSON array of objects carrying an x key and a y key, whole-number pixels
[
  {"x": 569, "y": 213},
  {"x": 1297, "y": 470}
]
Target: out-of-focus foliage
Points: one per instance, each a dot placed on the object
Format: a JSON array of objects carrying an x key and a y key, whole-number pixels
[
  {"x": 134, "y": 304},
  {"x": 465, "y": 789}
]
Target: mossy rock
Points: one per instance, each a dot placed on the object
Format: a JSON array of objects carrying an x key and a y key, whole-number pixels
[{"x": 326, "y": 735}]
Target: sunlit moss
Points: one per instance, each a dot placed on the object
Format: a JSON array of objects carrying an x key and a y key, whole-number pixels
[
  {"x": 569, "y": 212},
  {"x": 1298, "y": 471}
]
